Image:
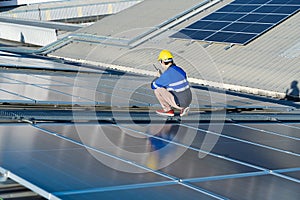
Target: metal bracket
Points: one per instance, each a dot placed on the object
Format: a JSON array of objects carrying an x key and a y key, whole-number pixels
[
  {"x": 228, "y": 47},
  {"x": 207, "y": 45},
  {"x": 3, "y": 176}
]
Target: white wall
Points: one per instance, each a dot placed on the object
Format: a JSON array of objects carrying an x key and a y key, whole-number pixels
[
  {"x": 27, "y": 34},
  {"x": 22, "y": 2}
]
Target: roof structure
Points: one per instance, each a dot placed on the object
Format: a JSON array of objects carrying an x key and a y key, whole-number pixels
[
  {"x": 78, "y": 121},
  {"x": 139, "y": 37}
]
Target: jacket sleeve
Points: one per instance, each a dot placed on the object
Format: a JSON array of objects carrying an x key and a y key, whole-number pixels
[{"x": 162, "y": 81}]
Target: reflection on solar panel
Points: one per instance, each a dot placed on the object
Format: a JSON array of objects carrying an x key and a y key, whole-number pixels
[{"x": 240, "y": 21}]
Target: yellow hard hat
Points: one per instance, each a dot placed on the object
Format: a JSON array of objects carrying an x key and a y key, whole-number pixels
[{"x": 165, "y": 56}]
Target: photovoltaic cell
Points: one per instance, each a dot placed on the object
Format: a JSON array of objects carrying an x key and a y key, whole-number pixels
[
  {"x": 262, "y": 18},
  {"x": 293, "y": 174},
  {"x": 256, "y": 183},
  {"x": 296, "y": 2},
  {"x": 223, "y": 17},
  {"x": 250, "y": 1},
  {"x": 162, "y": 192},
  {"x": 208, "y": 25},
  {"x": 231, "y": 37},
  {"x": 238, "y": 8},
  {"x": 240, "y": 21},
  {"x": 246, "y": 27},
  {"x": 277, "y": 9}
]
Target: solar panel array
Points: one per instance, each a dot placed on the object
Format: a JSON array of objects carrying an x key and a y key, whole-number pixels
[
  {"x": 67, "y": 161},
  {"x": 240, "y": 22}
]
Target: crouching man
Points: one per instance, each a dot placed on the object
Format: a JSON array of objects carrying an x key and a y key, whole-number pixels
[{"x": 171, "y": 88}]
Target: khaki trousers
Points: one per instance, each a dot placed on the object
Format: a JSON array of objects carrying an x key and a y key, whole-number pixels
[{"x": 166, "y": 99}]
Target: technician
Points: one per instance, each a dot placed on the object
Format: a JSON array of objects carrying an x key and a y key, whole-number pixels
[{"x": 171, "y": 88}]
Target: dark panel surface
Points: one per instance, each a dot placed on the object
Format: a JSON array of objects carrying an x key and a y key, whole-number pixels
[
  {"x": 38, "y": 157},
  {"x": 162, "y": 192},
  {"x": 295, "y": 174},
  {"x": 238, "y": 8},
  {"x": 277, "y": 9},
  {"x": 246, "y": 27},
  {"x": 240, "y": 147},
  {"x": 250, "y": 2},
  {"x": 279, "y": 129},
  {"x": 40, "y": 94},
  {"x": 259, "y": 136},
  {"x": 166, "y": 155},
  {"x": 250, "y": 188},
  {"x": 32, "y": 153}
]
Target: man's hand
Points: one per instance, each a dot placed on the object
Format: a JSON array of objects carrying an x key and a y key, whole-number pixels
[
  {"x": 157, "y": 70},
  {"x": 158, "y": 73}
]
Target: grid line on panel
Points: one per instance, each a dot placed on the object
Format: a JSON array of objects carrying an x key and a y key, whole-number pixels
[
  {"x": 141, "y": 96},
  {"x": 107, "y": 86},
  {"x": 284, "y": 176},
  {"x": 269, "y": 132},
  {"x": 291, "y": 126},
  {"x": 19, "y": 95},
  {"x": 202, "y": 190},
  {"x": 139, "y": 186},
  {"x": 44, "y": 87},
  {"x": 287, "y": 170},
  {"x": 114, "y": 188},
  {"x": 230, "y": 176},
  {"x": 246, "y": 141}
]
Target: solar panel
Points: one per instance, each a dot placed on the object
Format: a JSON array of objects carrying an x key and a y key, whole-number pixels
[
  {"x": 9, "y": 97},
  {"x": 166, "y": 191},
  {"x": 55, "y": 150},
  {"x": 240, "y": 21},
  {"x": 86, "y": 90},
  {"x": 223, "y": 187}
]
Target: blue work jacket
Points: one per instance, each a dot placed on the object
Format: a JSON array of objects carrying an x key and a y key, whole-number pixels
[{"x": 173, "y": 79}]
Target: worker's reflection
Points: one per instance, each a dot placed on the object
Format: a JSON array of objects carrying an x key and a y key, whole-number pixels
[
  {"x": 292, "y": 94},
  {"x": 160, "y": 147}
]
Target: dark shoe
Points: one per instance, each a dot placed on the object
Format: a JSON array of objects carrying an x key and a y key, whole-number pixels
[
  {"x": 184, "y": 111},
  {"x": 169, "y": 113}
]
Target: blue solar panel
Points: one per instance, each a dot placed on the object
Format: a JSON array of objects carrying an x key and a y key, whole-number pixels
[
  {"x": 277, "y": 9},
  {"x": 238, "y": 8},
  {"x": 197, "y": 35},
  {"x": 262, "y": 18},
  {"x": 223, "y": 17},
  {"x": 246, "y": 27},
  {"x": 290, "y": 2},
  {"x": 208, "y": 25},
  {"x": 240, "y": 21},
  {"x": 228, "y": 37},
  {"x": 250, "y": 1}
]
